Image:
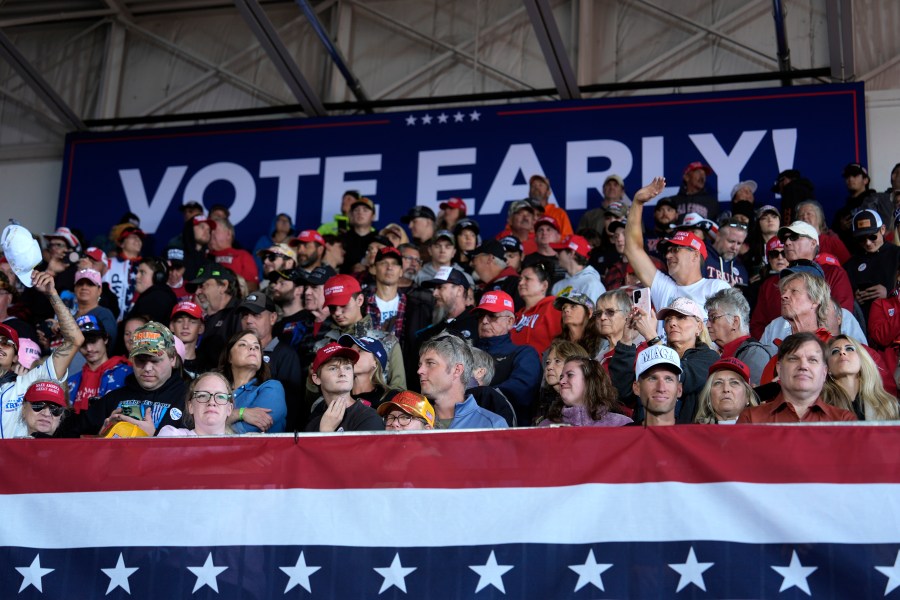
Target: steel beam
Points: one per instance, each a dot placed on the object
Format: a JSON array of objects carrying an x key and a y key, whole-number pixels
[
  {"x": 37, "y": 83},
  {"x": 554, "y": 50},
  {"x": 840, "y": 39},
  {"x": 264, "y": 31},
  {"x": 334, "y": 52}
]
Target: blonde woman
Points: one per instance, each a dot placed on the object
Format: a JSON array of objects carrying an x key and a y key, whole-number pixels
[
  {"x": 854, "y": 383},
  {"x": 209, "y": 403},
  {"x": 726, "y": 394}
]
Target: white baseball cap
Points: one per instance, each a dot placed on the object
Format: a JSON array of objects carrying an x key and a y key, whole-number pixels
[
  {"x": 656, "y": 355},
  {"x": 22, "y": 251},
  {"x": 800, "y": 228}
]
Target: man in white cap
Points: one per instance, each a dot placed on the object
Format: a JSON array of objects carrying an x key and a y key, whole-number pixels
[
  {"x": 657, "y": 371},
  {"x": 684, "y": 254}
]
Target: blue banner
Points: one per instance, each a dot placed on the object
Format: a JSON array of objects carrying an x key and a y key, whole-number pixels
[{"x": 482, "y": 154}]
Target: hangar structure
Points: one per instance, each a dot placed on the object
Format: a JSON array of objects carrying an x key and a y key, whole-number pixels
[{"x": 105, "y": 65}]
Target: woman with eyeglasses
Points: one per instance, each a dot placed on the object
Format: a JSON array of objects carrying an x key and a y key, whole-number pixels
[
  {"x": 586, "y": 397},
  {"x": 539, "y": 321},
  {"x": 618, "y": 349},
  {"x": 259, "y": 400},
  {"x": 43, "y": 408},
  {"x": 854, "y": 383},
  {"x": 726, "y": 394},
  {"x": 209, "y": 403}
]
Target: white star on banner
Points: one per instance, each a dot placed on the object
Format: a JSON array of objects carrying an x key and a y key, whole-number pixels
[
  {"x": 490, "y": 574},
  {"x": 118, "y": 576},
  {"x": 394, "y": 575},
  {"x": 474, "y": 115},
  {"x": 893, "y": 574},
  {"x": 442, "y": 118},
  {"x": 690, "y": 572},
  {"x": 426, "y": 120},
  {"x": 590, "y": 572},
  {"x": 458, "y": 117},
  {"x": 299, "y": 575},
  {"x": 207, "y": 574},
  {"x": 32, "y": 574},
  {"x": 410, "y": 120},
  {"x": 795, "y": 574}
]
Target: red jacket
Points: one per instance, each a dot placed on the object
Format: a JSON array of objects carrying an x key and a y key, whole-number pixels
[{"x": 537, "y": 326}]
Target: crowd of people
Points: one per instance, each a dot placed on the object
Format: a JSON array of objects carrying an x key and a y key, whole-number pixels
[{"x": 753, "y": 311}]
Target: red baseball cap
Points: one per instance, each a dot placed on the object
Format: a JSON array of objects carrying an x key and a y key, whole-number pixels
[
  {"x": 454, "y": 203},
  {"x": 774, "y": 244},
  {"x": 46, "y": 391},
  {"x": 188, "y": 308},
  {"x": 128, "y": 231},
  {"x": 697, "y": 165},
  {"x": 823, "y": 258},
  {"x": 685, "y": 239},
  {"x": 333, "y": 350},
  {"x": 496, "y": 301},
  {"x": 731, "y": 364},
  {"x": 11, "y": 333},
  {"x": 575, "y": 243},
  {"x": 96, "y": 254},
  {"x": 200, "y": 219},
  {"x": 309, "y": 235},
  {"x": 388, "y": 252},
  {"x": 340, "y": 289},
  {"x": 545, "y": 220}
]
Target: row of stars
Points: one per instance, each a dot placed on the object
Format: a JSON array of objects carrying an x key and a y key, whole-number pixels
[
  {"x": 489, "y": 574},
  {"x": 443, "y": 118}
]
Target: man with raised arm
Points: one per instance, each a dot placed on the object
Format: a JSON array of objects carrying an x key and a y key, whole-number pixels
[{"x": 684, "y": 254}]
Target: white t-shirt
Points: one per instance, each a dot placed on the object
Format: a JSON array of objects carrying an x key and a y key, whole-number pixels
[
  {"x": 11, "y": 394},
  {"x": 664, "y": 289},
  {"x": 388, "y": 308}
]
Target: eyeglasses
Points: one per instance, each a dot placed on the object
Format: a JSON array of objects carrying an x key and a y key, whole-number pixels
[
  {"x": 609, "y": 313},
  {"x": 776, "y": 253},
  {"x": 55, "y": 409},
  {"x": 271, "y": 256},
  {"x": 404, "y": 419},
  {"x": 713, "y": 318},
  {"x": 413, "y": 259},
  {"x": 204, "y": 397},
  {"x": 871, "y": 237}
]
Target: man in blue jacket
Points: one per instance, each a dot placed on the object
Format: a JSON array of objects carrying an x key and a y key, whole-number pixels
[
  {"x": 445, "y": 369},
  {"x": 517, "y": 369}
]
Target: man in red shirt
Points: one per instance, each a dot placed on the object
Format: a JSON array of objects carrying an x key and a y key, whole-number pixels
[
  {"x": 221, "y": 250},
  {"x": 802, "y": 367}
]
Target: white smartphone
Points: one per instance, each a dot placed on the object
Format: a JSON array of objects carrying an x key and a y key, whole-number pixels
[{"x": 641, "y": 299}]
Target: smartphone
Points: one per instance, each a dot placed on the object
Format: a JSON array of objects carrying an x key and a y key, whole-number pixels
[
  {"x": 135, "y": 411},
  {"x": 641, "y": 299}
]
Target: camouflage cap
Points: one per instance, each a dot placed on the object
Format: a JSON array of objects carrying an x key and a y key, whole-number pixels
[{"x": 152, "y": 338}]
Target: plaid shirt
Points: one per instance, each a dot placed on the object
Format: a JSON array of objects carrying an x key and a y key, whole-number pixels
[{"x": 393, "y": 325}]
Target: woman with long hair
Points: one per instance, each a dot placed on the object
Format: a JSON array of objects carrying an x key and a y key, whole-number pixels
[
  {"x": 557, "y": 354},
  {"x": 258, "y": 399},
  {"x": 854, "y": 383},
  {"x": 576, "y": 310},
  {"x": 586, "y": 397},
  {"x": 369, "y": 384},
  {"x": 726, "y": 394}
]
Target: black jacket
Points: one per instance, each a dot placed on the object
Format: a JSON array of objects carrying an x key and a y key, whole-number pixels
[
  {"x": 156, "y": 302},
  {"x": 165, "y": 402}
]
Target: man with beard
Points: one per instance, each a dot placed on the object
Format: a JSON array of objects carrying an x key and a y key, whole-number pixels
[
  {"x": 279, "y": 257},
  {"x": 722, "y": 260},
  {"x": 452, "y": 309},
  {"x": 310, "y": 248}
]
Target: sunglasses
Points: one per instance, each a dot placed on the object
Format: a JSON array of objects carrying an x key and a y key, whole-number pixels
[
  {"x": 55, "y": 409},
  {"x": 872, "y": 237},
  {"x": 793, "y": 237},
  {"x": 737, "y": 225},
  {"x": 776, "y": 253},
  {"x": 5, "y": 341},
  {"x": 271, "y": 256}
]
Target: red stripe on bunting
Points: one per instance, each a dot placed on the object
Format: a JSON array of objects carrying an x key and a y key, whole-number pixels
[{"x": 483, "y": 459}]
